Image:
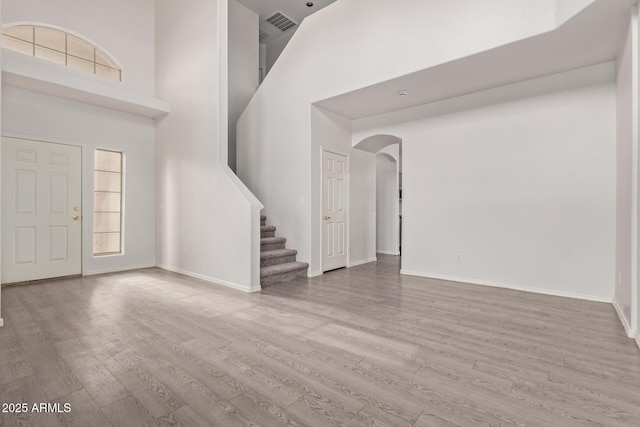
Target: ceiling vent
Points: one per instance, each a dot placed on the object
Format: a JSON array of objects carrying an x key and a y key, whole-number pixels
[
  {"x": 264, "y": 35},
  {"x": 280, "y": 21}
]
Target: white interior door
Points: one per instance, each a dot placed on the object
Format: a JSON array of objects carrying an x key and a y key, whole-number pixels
[
  {"x": 334, "y": 210},
  {"x": 41, "y": 210}
]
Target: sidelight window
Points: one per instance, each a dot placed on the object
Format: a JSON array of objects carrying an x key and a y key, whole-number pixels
[{"x": 107, "y": 211}]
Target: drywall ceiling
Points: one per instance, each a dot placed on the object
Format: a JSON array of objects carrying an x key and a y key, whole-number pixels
[
  {"x": 296, "y": 10},
  {"x": 591, "y": 37}
]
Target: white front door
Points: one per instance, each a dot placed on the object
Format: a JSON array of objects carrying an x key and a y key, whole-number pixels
[
  {"x": 41, "y": 210},
  {"x": 334, "y": 210}
]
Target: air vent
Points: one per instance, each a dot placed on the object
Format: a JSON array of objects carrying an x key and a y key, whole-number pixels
[
  {"x": 264, "y": 35},
  {"x": 281, "y": 22}
]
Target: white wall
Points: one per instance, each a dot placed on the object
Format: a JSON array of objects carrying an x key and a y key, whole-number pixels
[
  {"x": 332, "y": 132},
  {"x": 387, "y": 204},
  {"x": 50, "y": 118},
  {"x": 122, "y": 28},
  {"x": 125, "y": 31},
  {"x": 625, "y": 188},
  {"x": 518, "y": 180},
  {"x": 566, "y": 9},
  {"x": 243, "y": 66},
  {"x": 346, "y": 46},
  {"x": 275, "y": 47},
  {"x": 362, "y": 176},
  {"x": 207, "y": 225}
]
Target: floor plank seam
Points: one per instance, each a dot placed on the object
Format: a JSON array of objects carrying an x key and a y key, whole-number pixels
[{"x": 416, "y": 421}]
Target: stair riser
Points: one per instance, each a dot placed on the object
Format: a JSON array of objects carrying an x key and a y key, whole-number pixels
[
  {"x": 267, "y": 234},
  {"x": 271, "y": 246},
  {"x": 284, "y": 277},
  {"x": 279, "y": 260}
]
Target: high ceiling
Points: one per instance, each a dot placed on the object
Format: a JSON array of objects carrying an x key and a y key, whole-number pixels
[
  {"x": 296, "y": 10},
  {"x": 591, "y": 37}
]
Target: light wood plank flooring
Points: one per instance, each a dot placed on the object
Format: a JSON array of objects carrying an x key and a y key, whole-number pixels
[{"x": 355, "y": 347}]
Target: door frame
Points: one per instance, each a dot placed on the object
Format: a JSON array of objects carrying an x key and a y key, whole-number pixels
[
  {"x": 347, "y": 204},
  {"x": 83, "y": 162}
]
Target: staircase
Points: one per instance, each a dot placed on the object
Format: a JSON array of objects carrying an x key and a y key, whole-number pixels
[{"x": 277, "y": 264}]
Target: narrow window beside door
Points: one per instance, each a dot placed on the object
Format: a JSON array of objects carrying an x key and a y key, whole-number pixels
[{"x": 107, "y": 211}]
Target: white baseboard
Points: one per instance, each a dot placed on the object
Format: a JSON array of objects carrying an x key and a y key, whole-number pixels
[
  {"x": 315, "y": 274},
  {"x": 1, "y": 322},
  {"x": 388, "y": 252},
  {"x": 552, "y": 292},
  {"x": 365, "y": 261},
  {"x": 117, "y": 270},
  {"x": 623, "y": 320},
  {"x": 209, "y": 279}
]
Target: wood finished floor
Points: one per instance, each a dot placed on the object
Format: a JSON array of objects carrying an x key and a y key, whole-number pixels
[{"x": 356, "y": 347}]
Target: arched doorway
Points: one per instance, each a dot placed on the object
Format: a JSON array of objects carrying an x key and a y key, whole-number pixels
[{"x": 388, "y": 150}]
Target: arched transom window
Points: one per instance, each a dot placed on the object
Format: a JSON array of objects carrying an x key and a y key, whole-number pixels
[{"x": 60, "y": 47}]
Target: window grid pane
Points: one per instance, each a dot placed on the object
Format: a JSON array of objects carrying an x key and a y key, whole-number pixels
[
  {"x": 103, "y": 59},
  {"x": 108, "y": 72},
  {"x": 107, "y": 202},
  {"x": 50, "y": 55},
  {"x": 80, "y": 64},
  {"x": 22, "y": 32},
  {"x": 79, "y": 48},
  {"x": 50, "y": 38},
  {"x": 109, "y": 161},
  {"x": 17, "y": 45},
  {"x": 106, "y": 243},
  {"x": 106, "y": 222},
  {"x": 107, "y": 211},
  {"x": 59, "y": 47}
]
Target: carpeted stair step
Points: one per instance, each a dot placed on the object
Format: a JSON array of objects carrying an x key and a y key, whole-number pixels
[
  {"x": 267, "y": 231},
  {"x": 282, "y": 273},
  {"x": 272, "y": 243},
  {"x": 280, "y": 256},
  {"x": 277, "y": 264}
]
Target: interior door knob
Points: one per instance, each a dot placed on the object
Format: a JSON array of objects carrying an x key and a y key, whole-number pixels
[
  {"x": 326, "y": 217},
  {"x": 76, "y": 217}
]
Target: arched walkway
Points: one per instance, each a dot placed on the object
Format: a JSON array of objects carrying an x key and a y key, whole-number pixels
[{"x": 388, "y": 149}]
